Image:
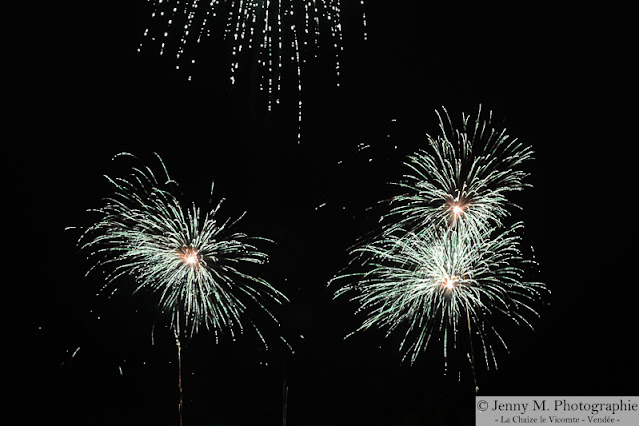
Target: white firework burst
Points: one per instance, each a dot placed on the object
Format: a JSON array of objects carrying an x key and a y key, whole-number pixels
[
  {"x": 438, "y": 282},
  {"x": 195, "y": 263},
  {"x": 463, "y": 177}
]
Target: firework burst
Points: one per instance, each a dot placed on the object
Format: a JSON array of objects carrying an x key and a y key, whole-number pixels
[
  {"x": 445, "y": 267},
  {"x": 461, "y": 178},
  {"x": 192, "y": 261},
  {"x": 437, "y": 282}
]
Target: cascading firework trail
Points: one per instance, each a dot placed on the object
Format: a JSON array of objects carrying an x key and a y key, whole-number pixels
[
  {"x": 445, "y": 266},
  {"x": 275, "y": 32},
  {"x": 193, "y": 262}
]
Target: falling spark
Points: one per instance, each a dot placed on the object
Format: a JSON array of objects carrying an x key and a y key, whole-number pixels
[{"x": 75, "y": 352}]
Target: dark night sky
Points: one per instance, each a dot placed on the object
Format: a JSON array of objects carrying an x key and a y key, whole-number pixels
[{"x": 556, "y": 78}]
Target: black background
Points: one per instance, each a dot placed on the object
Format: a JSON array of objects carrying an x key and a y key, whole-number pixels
[{"x": 556, "y": 77}]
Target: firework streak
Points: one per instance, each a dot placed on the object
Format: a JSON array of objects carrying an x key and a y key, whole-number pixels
[{"x": 271, "y": 32}]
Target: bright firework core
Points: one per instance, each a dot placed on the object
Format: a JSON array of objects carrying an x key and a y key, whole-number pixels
[
  {"x": 449, "y": 283},
  {"x": 457, "y": 208},
  {"x": 189, "y": 257}
]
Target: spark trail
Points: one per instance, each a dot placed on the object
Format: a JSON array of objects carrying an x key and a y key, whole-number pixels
[{"x": 277, "y": 34}]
